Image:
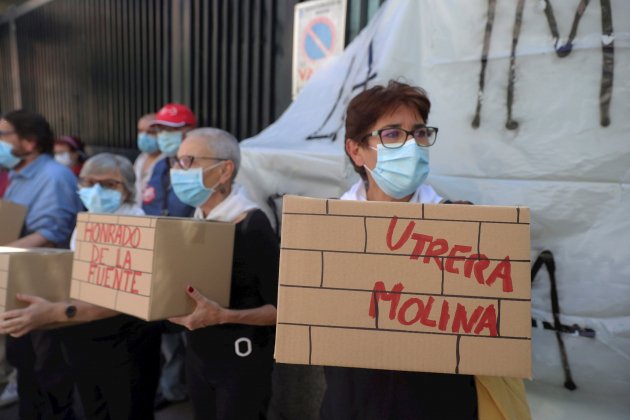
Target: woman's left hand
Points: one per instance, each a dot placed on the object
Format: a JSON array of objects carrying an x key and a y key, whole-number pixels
[
  {"x": 19, "y": 322},
  {"x": 206, "y": 313}
]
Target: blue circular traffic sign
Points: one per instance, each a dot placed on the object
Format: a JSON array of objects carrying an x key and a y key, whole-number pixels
[{"x": 319, "y": 38}]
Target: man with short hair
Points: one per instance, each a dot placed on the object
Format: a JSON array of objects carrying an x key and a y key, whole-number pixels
[
  {"x": 49, "y": 191},
  {"x": 37, "y": 181},
  {"x": 172, "y": 122}
]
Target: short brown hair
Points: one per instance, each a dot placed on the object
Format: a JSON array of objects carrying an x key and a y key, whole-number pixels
[{"x": 368, "y": 106}]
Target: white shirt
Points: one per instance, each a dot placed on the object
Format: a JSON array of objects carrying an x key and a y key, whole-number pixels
[
  {"x": 424, "y": 194},
  {"x": 228, "y": 210}
]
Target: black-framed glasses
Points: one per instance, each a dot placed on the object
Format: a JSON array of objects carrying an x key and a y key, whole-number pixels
[
  {"x": 393, "y": 138},
  {"x": 109, "y": 184},
  {"x": 185, "y": 162}
]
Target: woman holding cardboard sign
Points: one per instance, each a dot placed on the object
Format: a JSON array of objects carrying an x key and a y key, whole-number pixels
[
  {"x": 387, "y": 141},
  {"x": 115, "y": 357},
  {"x": 230, "y": 350}
]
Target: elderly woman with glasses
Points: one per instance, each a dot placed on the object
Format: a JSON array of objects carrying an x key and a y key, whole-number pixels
[
  {"x": 387, "y": 141},
  {"x": 230, "y": 350},
  {"x": 114, "y": 357}
]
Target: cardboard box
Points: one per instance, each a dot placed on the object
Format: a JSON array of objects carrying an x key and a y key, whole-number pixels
[
  {"x": 401, "y": 286},
  {"x": 12, "y": 219},
  {"x": 141, "y": 265},
  {"x": 43, "y": 272}
]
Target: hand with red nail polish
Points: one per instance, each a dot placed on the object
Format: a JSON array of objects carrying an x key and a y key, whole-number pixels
[{"x": 206, "y": 313}]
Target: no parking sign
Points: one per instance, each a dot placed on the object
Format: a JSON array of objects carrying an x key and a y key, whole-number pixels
[{"x": 319, "y": 33}]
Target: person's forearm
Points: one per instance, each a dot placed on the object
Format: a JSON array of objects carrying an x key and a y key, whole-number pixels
[
  {"x": 263, "y": 315},
  {"x": 34, "y": 240},
  {"x": 85, "y": 312}
]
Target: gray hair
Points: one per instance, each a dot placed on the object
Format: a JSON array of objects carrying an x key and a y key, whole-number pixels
[
  {"x": 221, "y": 143},
  {"x": 108, "y": 162}
]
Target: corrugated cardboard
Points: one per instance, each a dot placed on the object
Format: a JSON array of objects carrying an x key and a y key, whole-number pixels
[
  {"x": 405, "y": 286},
  {"x": 141, "y": 265},
  {"x": 11, "y": 221},
  {"x": 43, "y": 272}
]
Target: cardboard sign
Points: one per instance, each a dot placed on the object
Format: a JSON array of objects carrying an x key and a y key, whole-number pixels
[
  {"x": 12, "y": 218},
  {"x": 400, "y": 286},
  {"x": 141, "y": 266},
  {"x": 43, "y": 272}
]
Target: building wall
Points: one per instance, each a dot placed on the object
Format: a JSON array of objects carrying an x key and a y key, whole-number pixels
[
  {"x": 92, "y": 67},
  {"x": 6, "y": 89}
]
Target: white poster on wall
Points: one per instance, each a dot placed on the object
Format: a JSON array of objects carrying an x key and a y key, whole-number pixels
[{"x": 318, "y": 34}]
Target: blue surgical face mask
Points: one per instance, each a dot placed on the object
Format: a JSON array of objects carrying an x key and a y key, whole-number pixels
[
  {"x": 399, "y": 172},
  {"x": 7, "y": 159},
  {"x": 147, "y": 143},
  {"x": 169, "y": 142},
  {"x": 189, "y": 187},
  {"x": 100, "y": 200}
]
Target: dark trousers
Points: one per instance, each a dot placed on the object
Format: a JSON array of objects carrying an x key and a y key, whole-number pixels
[
  {"x": 230, "y": 389},
  {"x": 116, "y": 374},
  {"x": 371, "y": 394},
  {"x": 45, "y": 382},
  {"x": 121, "y": 392}
]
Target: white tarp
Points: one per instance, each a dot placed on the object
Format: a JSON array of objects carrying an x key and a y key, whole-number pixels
[{"x": 566, "y": 154}]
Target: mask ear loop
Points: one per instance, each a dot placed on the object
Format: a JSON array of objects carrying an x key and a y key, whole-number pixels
[
  {"x": 217, "y": 186},
  {"x": 367, "y": 169},
  {"x": 366, "y": 183}
]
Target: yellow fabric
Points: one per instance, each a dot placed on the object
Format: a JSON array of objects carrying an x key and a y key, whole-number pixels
[{"x": 501, "y": 398}]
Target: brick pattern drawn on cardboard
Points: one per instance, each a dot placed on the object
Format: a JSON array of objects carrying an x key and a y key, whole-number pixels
[
  {"x": 4, "y": 280},
  {"x": 114, "y": 260},
  {"x": 12, "y": 216},
  {"x": 439, "y": 288}
]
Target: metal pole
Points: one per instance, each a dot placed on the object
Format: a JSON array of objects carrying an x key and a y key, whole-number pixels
[
  {"x": 15, "y": 66},
  {"x": 181, "y": 21}
]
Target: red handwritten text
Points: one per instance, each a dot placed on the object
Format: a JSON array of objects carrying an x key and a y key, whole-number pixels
[
  {"x": 128, "y": 236},
  {"x": 120, "y": 276},
  {"x": 414, "y": 310},
  {"x": 431, "y": 248}
]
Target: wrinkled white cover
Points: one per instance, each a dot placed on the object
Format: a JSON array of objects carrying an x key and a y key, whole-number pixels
[{"x": 573, "y": 173}]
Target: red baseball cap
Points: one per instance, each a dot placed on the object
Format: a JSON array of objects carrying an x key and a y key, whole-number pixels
[{"x": 175, "y": 115}]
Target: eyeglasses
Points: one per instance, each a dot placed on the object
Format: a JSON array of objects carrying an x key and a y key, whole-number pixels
[
  {"x": 185, "y": 162},
  {"x": 109, "y": 184},
  {"x": 6, "y": 133},
  {"x": 393, "y": 138}
]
